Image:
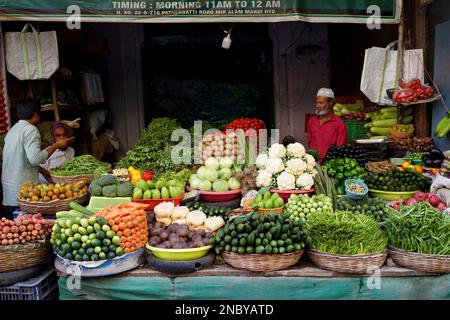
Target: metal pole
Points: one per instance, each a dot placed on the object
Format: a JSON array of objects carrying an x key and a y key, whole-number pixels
[{"x": 400, "y": 48}]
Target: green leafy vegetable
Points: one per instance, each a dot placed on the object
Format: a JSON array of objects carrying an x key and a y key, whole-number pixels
[
  {"x": 345, "y": 233},
  {"x": 85, "y": 164}
]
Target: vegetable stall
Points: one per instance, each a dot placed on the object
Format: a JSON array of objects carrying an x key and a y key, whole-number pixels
[{"x": 312, "y": 230}]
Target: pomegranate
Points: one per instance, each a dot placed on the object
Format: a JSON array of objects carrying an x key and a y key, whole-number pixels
[{"x": 434, "y": 200}]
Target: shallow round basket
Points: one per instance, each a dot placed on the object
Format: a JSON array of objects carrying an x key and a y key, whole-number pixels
[
  {"x": 262, "y": 262},
  {"x": 73, "y": 179},
  {"x": 421, "y": 262},
  {"x": 101, "y": 268},
  {"x": 22, "y": 256},
  {"x": 51, "y": 206},
  {"x": 265, "y": 212},
  {"x": 391, "y": 196},
  {"x": 285, "y": 194},
  {"x": 354, "y": 264}
]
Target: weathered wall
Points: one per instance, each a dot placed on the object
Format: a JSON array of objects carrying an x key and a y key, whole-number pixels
[
  {"x": 298, "y": 75},
  {"x": 124, "y": 80}
]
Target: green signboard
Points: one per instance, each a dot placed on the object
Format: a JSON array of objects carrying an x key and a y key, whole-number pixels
[{"x": 321, "y": 11}]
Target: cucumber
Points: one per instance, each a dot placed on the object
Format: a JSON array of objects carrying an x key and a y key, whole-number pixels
[
  {"x": 60, "y": 214},
  {"x": 77, "y": 207}
]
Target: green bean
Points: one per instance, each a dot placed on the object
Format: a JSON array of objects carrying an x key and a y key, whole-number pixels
[{"x": 85, "y": 164}]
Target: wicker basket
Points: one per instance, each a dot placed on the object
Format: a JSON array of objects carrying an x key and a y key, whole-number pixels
[
  {"x": 51, "y": 206},
  {"x": 21, "y": 256},
  {"x": 73, "y": 179},
  {"x": 355, "y": 264},
  {"x": 265, "y": 212},
  {"x": 262, "y": 262},
  {"x": 421, "y": 262}
]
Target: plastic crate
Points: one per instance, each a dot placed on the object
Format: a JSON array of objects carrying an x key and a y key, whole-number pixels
[
  {"x": 38, "y": 288},
  {"x": 356, "y": 130}
]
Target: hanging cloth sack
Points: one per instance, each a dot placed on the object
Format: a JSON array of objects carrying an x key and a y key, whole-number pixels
[
  {"x": 31, "y": 55},
  {"x": 380, "y": 71}
]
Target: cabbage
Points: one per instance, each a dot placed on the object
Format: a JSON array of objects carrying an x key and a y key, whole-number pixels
[
  {"x": 225, "y": 173},
  {"x": 204, "y": 185},
  {"x": 225, "y": 162},
  {"x": 212, "y": 163},
  {"x": 234, "y": 183},
  {"x": 201, "y": 173},
  {"x": 195, "y": 184},
  {"x": 192, "y": 178},
  {"x": 220, "y": 185},
  {"x": 211, "y": 175}
]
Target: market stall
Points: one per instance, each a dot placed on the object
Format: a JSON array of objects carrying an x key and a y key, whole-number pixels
[{"x": 234, "y": 217}]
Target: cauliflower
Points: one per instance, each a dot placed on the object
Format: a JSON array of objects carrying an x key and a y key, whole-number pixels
[
  {"x": 305, "y": 182},
  {"x": 310, "y": 160},
  {"x": 286, "y": 181},
  {"x": 296, "y": 150},
  {"x": 195, "y": 218},
  {"x": 261, "y": 161},
  {"x": 277, "y": 151},
  {"x": 264, "y": 179},
  {"x": 214, "y": 223},
  {"x": 295, "y": 167},
  {"x": 274, "y": 165},
  {"x": 310, "y": 168}
]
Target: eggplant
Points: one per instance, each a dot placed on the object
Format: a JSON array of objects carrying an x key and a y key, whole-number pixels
[
  {"x": 437, "y": 163},
  {"x": 428, "y": 163},
  {"x": 436, "y": 153}
]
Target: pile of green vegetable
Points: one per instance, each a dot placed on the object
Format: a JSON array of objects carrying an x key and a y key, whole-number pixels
[
  {"x": 254, "y": 233},
  {"x": 153, "y": 149},
  {"x": 396, "y": 181},
  {"x": 343, "y": 169},
  {"x": 209, "y": 210},
  {"x": 345, "y": 233},
  {"x": 324, "y": 185},
  {"x": 420, "y": 229},
  {"x": 368, "y": 206},
  {"x": 301, "y": 207},
  {"x": 85, "y": 164},
  {"x": 108, "y": 185}
]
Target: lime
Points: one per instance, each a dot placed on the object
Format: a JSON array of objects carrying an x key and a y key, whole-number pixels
[
  {"x": 84, "y": 238},
  {"x": 77, "y": 237},
  {"x": 101, "y": 235},
  {"x": 106, "y": 242},
  {"x": 81, "y": 251},
  {"x": 106, "y": 228},
  {"x": 92, "y": 236},
  {"x": 111, "y": 255},
  {"x": 90, "y": 229},
  {"x": 112, "y": 248},
  {"x": 102, "y": 255},
  {"x": 101, "y": 221},
  {"x": 110, "y": 234},
  {"x": 94, "y": 257},
  {"x": 84, "y": 223},
  {"x": 69, "y": 223},
  {"x": 90, "y": 251},
  {"x": 119, "y": 251},
  {"x": 74, "y": 252},
  {"x": 85, "y": 258},
  {"x": 76, "y": 245},
  {"x": 78, "y": 257},
  {"x": 82, "y": 230},
  {"x": 92, "y": 220},
  {"x": 98, "y": 249},
  {"x": 97, "y": 227},
  {"x": 105, "y": 249},
  {"x": 63, "y": 237},
  {"x": 116, "y": 241},
  {"x": 84, "y": 245}
]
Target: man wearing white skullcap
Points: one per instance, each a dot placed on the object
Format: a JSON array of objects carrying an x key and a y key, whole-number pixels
[{"x": 326, "y": 129}]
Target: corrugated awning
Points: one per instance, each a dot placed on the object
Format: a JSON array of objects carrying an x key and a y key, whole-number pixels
[{"x": 190, "y": 11}]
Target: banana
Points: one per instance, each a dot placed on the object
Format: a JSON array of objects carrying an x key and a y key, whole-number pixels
[
  {"x": 440, "y": 125},
  {"x": 443, "y": 127}
]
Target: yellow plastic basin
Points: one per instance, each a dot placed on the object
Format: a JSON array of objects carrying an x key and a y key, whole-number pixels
[
  {"x": 179, "y": 254},
  {"x": 391, "y": 196}
]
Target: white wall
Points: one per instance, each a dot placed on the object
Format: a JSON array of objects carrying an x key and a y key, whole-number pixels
[
  {"x": 297, "y": 79},
  {"x": 125, "y": 80}
]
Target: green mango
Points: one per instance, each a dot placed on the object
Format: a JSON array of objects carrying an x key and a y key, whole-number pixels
[
  {"x": 151, "y": 184},
  {"x": 137, "y": 194},
  {"x": 175, "y": 192},
  {"x": 278, "y": 203},
  {"x": 259, "y": 198},
  {"x": 141, "y": 184},
  {"x": 165, "y": 193},
  {"x": 274, "y": 196},
  {"x": 148, "y": 194},
  {"x": 267, "y": 195},
  {"x": 268, "y": 204},
  {"x": 156, "y": 194},
  {"x": 160, "y": 184},
  {"x": 261, "y": 204}
]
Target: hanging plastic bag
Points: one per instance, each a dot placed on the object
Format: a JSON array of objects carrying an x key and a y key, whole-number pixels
[
  {"x": 31, "y": 55},
  {"x": 380, "y": 71}
]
